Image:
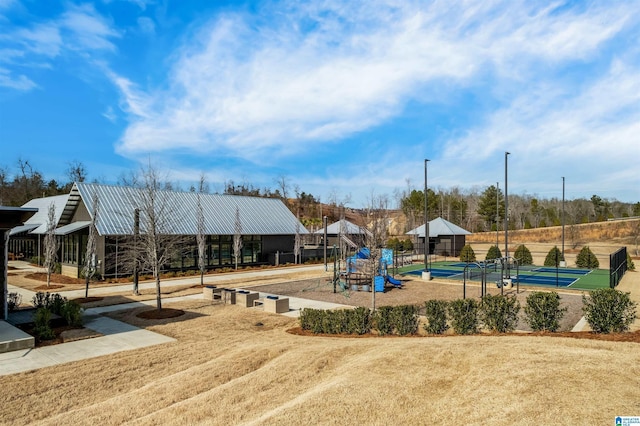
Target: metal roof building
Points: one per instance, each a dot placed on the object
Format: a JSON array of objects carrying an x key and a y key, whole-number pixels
[
  {"x": 267, "y": 226},
  {"x": 445, "y": 238},
  {"x": 116, "y": 205}
]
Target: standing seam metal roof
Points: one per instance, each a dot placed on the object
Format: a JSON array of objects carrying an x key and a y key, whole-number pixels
[{"x": 116, "y": 205}]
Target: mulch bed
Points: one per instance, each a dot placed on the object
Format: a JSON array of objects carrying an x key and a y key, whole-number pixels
[
  {"x": 632, "y": 337},
  {"x": 163, "y": 313}
]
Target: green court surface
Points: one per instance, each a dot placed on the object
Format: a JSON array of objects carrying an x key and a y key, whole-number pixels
[{"x": 569, "y": 278}]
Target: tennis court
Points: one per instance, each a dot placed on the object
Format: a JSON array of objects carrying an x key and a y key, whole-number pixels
[{"x": 526, "y": 275}]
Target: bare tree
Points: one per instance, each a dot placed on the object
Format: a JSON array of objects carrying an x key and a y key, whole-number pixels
[
  {"x": 90, "y": 267},
  {"x": 50, "y": 243},
  {"x": 201, "y": 237},
  {"x": 376, "y": 235},
  {"x": 297, "y": 243},
  {"x": 158, "y": 239},
  {"x": 237, "y": 237}
]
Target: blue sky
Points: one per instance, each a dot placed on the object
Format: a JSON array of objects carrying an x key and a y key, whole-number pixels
[{"x": 343, "y": 99}]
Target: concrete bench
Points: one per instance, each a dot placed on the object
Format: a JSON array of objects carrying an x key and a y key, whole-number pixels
[
  {"x": 246, "y": 299},
  {"x": 229, "y": 296},
  {"x": 212, "y": 293},
  {"x": 276, "y": 306}
]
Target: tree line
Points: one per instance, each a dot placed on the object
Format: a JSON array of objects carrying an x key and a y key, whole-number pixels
[{"x": 476, "y": 209}]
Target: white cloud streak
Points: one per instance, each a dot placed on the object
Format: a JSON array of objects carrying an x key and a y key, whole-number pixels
[
  {"x": 80, "y": 29},
  {"x": 322, "y": 72}
]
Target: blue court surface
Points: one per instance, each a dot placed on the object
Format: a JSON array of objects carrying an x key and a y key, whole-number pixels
[
  {"x": 441, "y": 273},
  {"x": 525, "y": 277},
  {"x": 563, "y": 271},
  {"x": 540, "y": 280}
]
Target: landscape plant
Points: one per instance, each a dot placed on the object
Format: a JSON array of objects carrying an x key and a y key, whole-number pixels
[
  {"x": 523, "y": 255},
  {"x": 630, "y": 265},
  {"x": 543, "y": 311},
  {"x": 42, "y": 328},
  {"x": 404, "y": 319},
  {"x": 13, "y": 301},
  {"x": 382, "y": 320},
  {"x": 499, "y": 313},
  {"x": 464, "y": 316},
  {"x": 586, "y": 259},
  {"x": 493, "y": 253},
  {"x": 608, "y": 310},
  {"x": 467, "y": 254},
  {"x": 360, "y": 320},
  {"x": 554, "y": 257},
  {"x": 436, "y": 314}
]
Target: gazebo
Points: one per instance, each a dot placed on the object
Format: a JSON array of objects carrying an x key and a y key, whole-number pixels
[{"x": 445, "y": 238}]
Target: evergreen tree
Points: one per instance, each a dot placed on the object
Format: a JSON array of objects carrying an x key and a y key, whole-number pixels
[
  {"x": 487, "y": 205},
  {"x": 586, "y": 259},
  {"x": 630, "y": 265},
  {"x": 554, "y": 257},
  {"x": 493, "y": 253},
  {"x": 523, "y": 255},
  {"x": 467, "y": 254}
]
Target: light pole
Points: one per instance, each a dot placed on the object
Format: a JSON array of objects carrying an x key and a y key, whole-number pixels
[
  {"x": 506, "y": 214},
  {"x": 426, "y": 222},
  {"x": 563, "y": 259},
  {"x": 324, "y": 219},
  {"x": 497, "y": 211}
]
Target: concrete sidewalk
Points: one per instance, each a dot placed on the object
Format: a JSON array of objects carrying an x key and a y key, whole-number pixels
[{"x": 118, "y": 336}]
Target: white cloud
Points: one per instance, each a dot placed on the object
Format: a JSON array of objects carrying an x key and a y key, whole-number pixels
[
  {"x": 324, "y": 71},
  {"x": 146, "y": 25},
  {"x": 80, "y": 29}
]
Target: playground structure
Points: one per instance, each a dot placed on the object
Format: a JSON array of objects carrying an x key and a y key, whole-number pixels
[{"x": 361, "y": 271}]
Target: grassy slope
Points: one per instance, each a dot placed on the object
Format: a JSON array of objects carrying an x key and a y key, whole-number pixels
[{"x": 226, "y": 370}]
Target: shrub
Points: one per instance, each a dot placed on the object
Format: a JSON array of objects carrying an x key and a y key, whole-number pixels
[
  {"x": 404, "y": 319},
  {"x": 42, "y": 329},
  {"x": 382, "y": 320},
  {"x": 467, "y": 254},
  {"x": 493, "y": 253},
  {"x": 41, "y": 300},
  {"x": 407, "y": 245},
  {"x": 360, "y": 321},
  {"x": 13, "y": 301},
  {"x": 352, "y": 321},
  {"x": 71, "y": 311},
  {"x": 500, "y": 313},
  {"x": 464, "y": 316},
  {"x": 608, "y": 310},
  {"x": 523, "y": 255},
  {"x": 586, "y": 259},
  {"x": 56, "y": 304},
  {"x": 436, "y": 313},
  {"x": 630, "y": 265},
  {"x": 554, "y": 257},
  {"x": 543, "y": 312}
]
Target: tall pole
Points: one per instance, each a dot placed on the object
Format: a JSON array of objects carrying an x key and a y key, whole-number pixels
[
  {"x": 506, "y": 214},
  {"x": 426, "y": 219},
  {"x": 563, "y": 259},
  {"x": 324, "y": 219},
  {"x": 497, "y": 211},
  {"x": 136, "y": 232}
]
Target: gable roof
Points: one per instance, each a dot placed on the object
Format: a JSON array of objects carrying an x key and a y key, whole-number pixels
[
  {"x": 348, "y": 228},
  {"x": 116, "y": 205},
  {"x": 437, "y": 227},
  {"x": 38, "y": 222}
]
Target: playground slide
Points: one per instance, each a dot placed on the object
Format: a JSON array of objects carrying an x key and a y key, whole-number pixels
[{"x": 393, "y": 281}]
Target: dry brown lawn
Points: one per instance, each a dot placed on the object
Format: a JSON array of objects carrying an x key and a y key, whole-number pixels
[{"x": 232, "y": 365}]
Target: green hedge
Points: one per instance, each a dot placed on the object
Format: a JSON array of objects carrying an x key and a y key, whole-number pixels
[
  {"x": 500, "y": 313},
  {"x": 464, "y": 316},
  {"x": 609, "y": 310},
  {"x": 543, "y": 312},
  {"x": 436, "y": 313}
]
